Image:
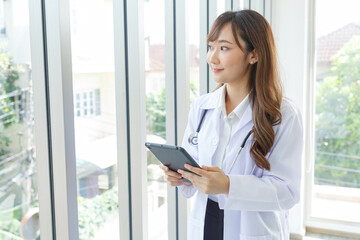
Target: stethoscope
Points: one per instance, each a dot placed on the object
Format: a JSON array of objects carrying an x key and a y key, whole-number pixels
[{"x": 193, "y": 140}]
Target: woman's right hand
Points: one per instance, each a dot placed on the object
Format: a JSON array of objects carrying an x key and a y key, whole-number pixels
[{"x": 173, "y": 178}]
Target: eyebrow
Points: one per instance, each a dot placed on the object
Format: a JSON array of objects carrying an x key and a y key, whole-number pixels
[{"x": 224, "y": 41}]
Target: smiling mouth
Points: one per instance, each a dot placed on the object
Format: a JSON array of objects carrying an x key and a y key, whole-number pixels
[{"x": 217, "y": 70}]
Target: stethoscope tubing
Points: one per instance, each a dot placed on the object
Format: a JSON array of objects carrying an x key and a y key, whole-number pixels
[
  {"x": 193, "y": 139},
  {"x": 201, "y": 120},
  {"x": 241, "y": 147}
]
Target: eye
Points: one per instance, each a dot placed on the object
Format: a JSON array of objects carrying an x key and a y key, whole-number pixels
[{"x": 223, "y": 48}]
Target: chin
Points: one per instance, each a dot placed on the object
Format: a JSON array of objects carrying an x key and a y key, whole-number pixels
[{"x": 219, "y": 80}]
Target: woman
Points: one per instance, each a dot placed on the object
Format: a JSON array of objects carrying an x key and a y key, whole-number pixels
[{"x": 242, "y": 194}]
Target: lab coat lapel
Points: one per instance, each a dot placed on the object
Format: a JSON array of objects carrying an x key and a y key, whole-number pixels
[
  {"x": 216, "y": 123},
  {"x": 246, "y": 118},
  {"x": 209, "y": 134},
  {"x": 209, "y": 137}
]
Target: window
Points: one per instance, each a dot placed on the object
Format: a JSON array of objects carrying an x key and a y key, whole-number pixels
[
  {"x": 19, "y": 205},
  {"x": 87, "y": 103},
  {"x": 154, "y": 28},
  {"x": 336, "y": 188},
  {"x": 95, "y": 128}
]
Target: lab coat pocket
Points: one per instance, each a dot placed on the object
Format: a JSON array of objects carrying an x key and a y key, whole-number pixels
[{"x": 247, "y": 237}]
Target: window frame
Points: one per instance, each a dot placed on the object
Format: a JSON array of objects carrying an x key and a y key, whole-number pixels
[
  {"x": 41, "y": 120},
  {"x": 314, "y": 223}
]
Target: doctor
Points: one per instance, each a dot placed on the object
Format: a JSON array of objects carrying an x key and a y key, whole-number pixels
[{"x": 245, "y": 135}]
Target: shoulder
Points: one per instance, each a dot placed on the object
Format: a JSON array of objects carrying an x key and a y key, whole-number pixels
[
  {"x": 289, "y": 109},
  {"x": 208, "y": 100},
  {"x": 291, "y": 125}
]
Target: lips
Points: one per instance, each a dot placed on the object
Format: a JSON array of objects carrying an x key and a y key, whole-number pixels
[{"x": 217, "y": 70}]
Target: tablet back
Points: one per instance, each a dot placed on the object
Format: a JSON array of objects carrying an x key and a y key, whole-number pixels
[{"x": 173, "y": 157}]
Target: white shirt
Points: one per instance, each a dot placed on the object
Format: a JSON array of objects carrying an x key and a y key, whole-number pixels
[{"x": 228, "y": 124}]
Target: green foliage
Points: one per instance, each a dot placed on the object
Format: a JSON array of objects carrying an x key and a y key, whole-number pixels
[
  {"x": 338, "y": 120},
  {"x": 93, "y": 212},
  {"x": 194, "y": 91},
  {"x": 9, "y": 73},
  {"x": 4, "y": 141},
  {"x": 10, "y": 229},
  {"x": 156, "y": 114}
]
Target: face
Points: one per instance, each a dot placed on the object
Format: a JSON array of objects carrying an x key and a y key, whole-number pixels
[{"x": 227, "y": 61}]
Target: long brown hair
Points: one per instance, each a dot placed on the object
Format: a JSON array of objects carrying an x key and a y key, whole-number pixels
[{"x": 266, "y": 94}]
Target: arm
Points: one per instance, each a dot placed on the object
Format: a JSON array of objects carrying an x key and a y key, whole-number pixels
[{"x": 276, "y": 189}]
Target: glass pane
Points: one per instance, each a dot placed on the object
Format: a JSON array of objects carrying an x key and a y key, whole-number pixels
[
  {"x": 95, "y": 134},
  {"x": 337, "y": 120},
  {"x": 193, "y": 26},
  {"x": 154, "y": 27},
  {"x": 19, "y": 207},
  {"x": 220, "y": 7}
]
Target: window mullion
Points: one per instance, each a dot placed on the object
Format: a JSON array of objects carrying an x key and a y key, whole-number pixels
[
  {"x": 62, "y": 118},
  {"x": 170, "y": 80},
  {"x": 212, "y": 16},
  {"x": 41, "y": 120},
  {"x": 182, "y": 98},
  {"x": 203, "y": 67},
  {"x": 137, "y": 120},
  {"x": 122, "y": 123}
]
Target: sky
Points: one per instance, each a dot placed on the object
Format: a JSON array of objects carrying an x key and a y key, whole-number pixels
[{"x": 333, "y": 14}]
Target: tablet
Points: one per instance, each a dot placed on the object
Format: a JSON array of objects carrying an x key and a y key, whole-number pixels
[{"x": 173, "y": 157}]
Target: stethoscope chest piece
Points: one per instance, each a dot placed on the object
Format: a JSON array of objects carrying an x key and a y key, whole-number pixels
[{"x": 193, "y": 139}]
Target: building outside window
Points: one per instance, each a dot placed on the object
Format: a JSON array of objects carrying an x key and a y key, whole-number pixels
[{"x": 87, "y": 103}]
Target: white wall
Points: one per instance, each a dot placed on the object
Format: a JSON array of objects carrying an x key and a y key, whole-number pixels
[{"x": 289, "y": 24}]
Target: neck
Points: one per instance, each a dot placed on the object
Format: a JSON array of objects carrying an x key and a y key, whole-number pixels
[{"x": 235, "y": 93}]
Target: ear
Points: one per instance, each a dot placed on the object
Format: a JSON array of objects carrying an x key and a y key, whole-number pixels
[{"x": 253, "y": 57}]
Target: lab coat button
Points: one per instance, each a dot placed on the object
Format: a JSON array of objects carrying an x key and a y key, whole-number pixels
[{"x": 215, "y": 141}]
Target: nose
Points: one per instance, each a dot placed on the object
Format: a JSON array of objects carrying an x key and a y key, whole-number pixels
[{"x": 213, "y": 56}]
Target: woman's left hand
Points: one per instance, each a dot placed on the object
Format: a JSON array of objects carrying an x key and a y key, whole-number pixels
[{"x": 211, "y": 180}]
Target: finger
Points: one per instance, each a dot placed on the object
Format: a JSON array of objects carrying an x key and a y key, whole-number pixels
[
  {"x": 177, "y": 183},
  {"x": 163, "y": 167},
  {"x": 173, "y": 179},
  {"x": 167, "y": 171},
  {"x": 187, "y": 183},
  {"x": 211, "y": 168},
  {"x": 173, "y": 174},
  {"x": 174, "y": 182},
  {"x": 196, "y": 170},
  {"x": 188, "y": 175}
]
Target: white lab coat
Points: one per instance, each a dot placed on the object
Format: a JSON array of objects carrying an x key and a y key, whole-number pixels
[{"x": 257, "y": 205}]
